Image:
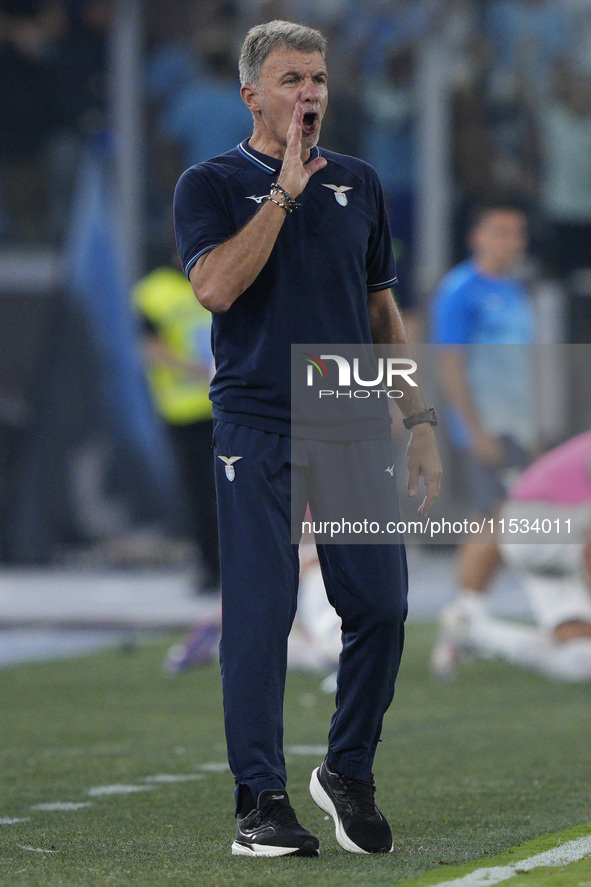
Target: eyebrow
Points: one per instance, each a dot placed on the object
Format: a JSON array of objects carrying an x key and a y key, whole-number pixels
[{"x": 321, "y": 73}]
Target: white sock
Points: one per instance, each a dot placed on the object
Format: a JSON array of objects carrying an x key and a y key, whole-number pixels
[
  {"x": 572, "y": 660},
  {"x": 474, "y": 604},
  {"x": 532, "y": 648}
]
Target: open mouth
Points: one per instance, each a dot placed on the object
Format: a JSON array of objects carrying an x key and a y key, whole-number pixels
[{"x": 310, "y": 122}]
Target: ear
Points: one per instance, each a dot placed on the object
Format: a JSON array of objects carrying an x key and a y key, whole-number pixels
[{"x": 250, "y": 97}]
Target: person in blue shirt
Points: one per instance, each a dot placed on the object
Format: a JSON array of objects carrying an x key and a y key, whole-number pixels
[
  {"x": 481, "y": 315},
  {"x": 287, "y": 243}
]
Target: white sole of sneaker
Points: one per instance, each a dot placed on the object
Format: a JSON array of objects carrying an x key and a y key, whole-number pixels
[
  {"x": 266, "y": 850},
  {"x": 320, "y": 797}
]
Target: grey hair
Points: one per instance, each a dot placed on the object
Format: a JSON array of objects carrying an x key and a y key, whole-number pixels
[{"x": 261, "y": 40}]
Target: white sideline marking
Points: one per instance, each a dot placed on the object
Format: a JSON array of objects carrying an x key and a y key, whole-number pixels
[
  {"x": 103, "y": 791},
  {"x": 172, "y": 777},
  {"x": 36, "y": 849},
  {"x": 8, "y": 820},
  {"x": 52, "y": 806},
  {"x": 214, "y": 767},
  {"x": 305, "y": 750},
  {"x": 571, "y": 851}
]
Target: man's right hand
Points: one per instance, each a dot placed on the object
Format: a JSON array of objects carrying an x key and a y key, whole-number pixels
[{"x": 294, "y": 175}]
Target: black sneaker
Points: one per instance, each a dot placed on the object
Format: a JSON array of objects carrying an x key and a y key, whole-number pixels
[
  {"x": 272, "y": 829},
  {"x": 359, "y": 825}
]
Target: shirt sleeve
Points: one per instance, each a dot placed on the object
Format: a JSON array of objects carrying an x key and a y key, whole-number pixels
[
  {"x": 451, "y": 317},
  {"x": 201, "y": 221},
  {"x": 381, "y": 265}
]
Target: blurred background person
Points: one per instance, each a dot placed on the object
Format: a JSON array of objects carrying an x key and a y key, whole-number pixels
[
  {"x": 554, "y": 495},
  {"x": 480, "y": 312},
  {"x": 177, "y": 346}
]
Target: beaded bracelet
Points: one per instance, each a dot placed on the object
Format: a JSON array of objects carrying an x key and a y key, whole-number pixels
[
  {"x": 289, "y": 204},
  {"x": 284, "y": 206}
]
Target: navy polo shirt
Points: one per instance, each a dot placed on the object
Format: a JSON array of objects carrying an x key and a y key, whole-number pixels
[{"x": 313, "y": 289}]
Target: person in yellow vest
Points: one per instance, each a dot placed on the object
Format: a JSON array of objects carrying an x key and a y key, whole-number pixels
[{"x": 177, "y": 345}]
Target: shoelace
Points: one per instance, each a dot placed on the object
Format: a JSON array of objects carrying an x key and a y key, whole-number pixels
[
  {"x": 361, "y": 793},
  {"x": 284, "y": 815},
  {"x": 280, "y": 813}
]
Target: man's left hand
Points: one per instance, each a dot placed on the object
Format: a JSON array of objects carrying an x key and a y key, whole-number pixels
[{"x": 422, "y": 460}]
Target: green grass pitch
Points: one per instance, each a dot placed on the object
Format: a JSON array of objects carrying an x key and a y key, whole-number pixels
[{"x": 464, "y": 771}]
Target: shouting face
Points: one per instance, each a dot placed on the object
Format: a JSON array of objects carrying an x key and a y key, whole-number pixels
[{"x": 287, "y": 77}]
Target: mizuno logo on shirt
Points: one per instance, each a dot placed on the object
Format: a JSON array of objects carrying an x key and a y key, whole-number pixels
[{"x": 257, "y": 199}]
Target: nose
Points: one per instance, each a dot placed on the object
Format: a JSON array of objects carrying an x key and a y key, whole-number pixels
[{"x": 309, "y": 91}]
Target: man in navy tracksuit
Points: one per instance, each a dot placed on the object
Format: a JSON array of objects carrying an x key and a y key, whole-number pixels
[{"x": 286, "y": 243}]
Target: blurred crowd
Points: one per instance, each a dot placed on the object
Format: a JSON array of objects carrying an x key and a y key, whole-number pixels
[
  {"x": 519, "y": 80},
  {"x": 52, "y": 71},
  {"x": 518, "y": 84}
]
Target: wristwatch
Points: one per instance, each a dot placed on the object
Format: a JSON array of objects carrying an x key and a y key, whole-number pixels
[{"x": 428, "y": 417}]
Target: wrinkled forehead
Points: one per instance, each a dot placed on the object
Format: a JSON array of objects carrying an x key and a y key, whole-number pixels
[{"x": 284, "y": 60}]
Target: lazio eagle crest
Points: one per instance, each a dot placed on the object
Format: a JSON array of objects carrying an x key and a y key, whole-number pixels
[
  {"x": 229, "y": 465},
  {"x": 339, "y": 192}
]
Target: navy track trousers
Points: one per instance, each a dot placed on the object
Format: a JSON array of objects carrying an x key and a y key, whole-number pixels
[{"x": 367, "y": 585}]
